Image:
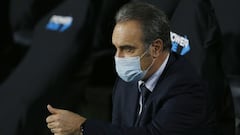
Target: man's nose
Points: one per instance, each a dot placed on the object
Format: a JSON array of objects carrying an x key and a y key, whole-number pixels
[{"x": 119, "y": 54}]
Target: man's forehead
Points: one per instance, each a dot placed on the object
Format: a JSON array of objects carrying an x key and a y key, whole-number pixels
[{"x": 128, "y": 32}]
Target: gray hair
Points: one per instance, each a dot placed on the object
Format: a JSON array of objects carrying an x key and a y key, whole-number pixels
[{"x": 153, "y": 21}]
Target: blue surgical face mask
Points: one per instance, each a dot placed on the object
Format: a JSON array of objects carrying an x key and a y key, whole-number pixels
[{"x": 129, "y": 68}]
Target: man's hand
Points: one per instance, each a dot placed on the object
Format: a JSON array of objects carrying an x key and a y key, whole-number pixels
[{"x": 64, "y": 122}]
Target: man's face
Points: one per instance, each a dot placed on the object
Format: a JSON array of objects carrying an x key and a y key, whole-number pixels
[{"x": 127, "y": 39}]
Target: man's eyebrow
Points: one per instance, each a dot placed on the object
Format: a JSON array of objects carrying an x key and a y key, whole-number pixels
[{"x": 127, "y": 46}]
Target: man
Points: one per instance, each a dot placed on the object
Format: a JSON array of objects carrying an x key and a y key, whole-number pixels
[
  {"x": 206, "y": 49},
  {"x": 176, "y": 101}
]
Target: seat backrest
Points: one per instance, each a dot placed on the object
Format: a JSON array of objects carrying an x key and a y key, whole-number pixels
[
  {"x": 60, "y": 42},
  {"x": 197, "y": 21},
  {"x": 25, "y": 14}
]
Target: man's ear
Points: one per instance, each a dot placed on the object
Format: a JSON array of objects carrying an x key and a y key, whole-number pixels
[{"x": 157, "y": 47}]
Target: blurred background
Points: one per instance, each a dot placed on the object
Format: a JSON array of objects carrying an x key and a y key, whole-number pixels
[{"x": 59, "y": 52}]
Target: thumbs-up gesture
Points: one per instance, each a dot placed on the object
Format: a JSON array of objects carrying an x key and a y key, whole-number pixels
[{"x": 64, "y": 122}]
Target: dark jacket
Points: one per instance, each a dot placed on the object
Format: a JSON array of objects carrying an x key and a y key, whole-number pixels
[{"x": 177, "y": 105}]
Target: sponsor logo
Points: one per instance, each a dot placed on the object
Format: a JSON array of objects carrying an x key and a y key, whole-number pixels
[
  {"x": 59, "y": 23},
  {"x": 180, "y": 44}
]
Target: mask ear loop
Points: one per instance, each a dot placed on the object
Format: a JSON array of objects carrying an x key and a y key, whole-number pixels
[
  {"x": 146, "y": 70},
  {"x": 150, "y": 64},
  {"x": 146, "y": 51},
  {"x": 152, "y": 60},
  {"x": 143, "y": 54}
]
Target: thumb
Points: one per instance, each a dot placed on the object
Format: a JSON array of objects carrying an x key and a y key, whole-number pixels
[{"x": 52, "y": 109}]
